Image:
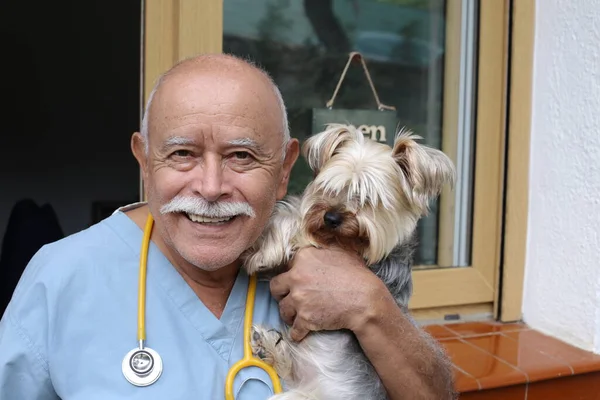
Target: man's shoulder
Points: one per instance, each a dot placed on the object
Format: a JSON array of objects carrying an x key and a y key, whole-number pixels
[
  {"x": 66, "y": 277},
  {"x": 74, "y": 255},
  {"x": 98, "y": 240}
]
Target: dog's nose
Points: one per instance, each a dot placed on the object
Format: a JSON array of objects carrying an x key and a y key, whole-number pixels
[{"x": 332, "y": 219}]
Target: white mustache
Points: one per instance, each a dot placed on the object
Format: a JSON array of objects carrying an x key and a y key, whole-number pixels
[{"x": 199, "y": 206}]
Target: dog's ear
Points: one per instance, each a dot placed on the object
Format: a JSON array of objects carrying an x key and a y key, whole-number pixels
[
  {"x": 319, "y": 148},
  {"x": 425, "y": 169}
]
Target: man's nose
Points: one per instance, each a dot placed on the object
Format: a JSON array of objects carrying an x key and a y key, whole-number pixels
[{"x": 211, "y": 184}]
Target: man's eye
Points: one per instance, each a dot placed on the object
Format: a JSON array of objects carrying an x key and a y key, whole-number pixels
[
  {"x": 181, "y": 153},
  {"x": 241, "y": 155}
]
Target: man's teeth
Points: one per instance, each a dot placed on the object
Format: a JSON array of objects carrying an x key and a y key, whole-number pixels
[{"x": 207, "y": 220}]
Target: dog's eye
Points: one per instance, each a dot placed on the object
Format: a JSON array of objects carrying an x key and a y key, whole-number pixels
[{"x": 358, "y": 199}]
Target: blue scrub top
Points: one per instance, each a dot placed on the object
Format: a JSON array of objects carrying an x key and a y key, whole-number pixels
[{"x": 73, "y": 317}]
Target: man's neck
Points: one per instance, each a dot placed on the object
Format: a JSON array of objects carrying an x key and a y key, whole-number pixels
[{"x": 211, "y": 287}]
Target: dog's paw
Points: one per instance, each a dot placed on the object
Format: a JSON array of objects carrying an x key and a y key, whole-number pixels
[
  {"x": 270, "y": 345},
  {"x": 263, "y": 343}
]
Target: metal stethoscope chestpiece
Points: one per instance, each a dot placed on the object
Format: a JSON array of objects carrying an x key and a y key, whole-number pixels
[{"x": 142, "y": 366}]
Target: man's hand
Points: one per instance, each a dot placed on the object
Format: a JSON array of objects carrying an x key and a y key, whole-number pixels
[
  {"x": 326, "y": 289},
  {"x": 330, "y": 289}
]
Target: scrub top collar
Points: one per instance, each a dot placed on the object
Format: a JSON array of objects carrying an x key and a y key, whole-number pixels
[{"x": 219, "y": 333}]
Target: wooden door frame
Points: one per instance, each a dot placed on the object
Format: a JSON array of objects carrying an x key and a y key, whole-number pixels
[{"x": 177, "y": 29}]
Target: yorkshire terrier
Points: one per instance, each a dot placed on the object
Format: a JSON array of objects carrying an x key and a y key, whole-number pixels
[{"x": 365, "y": 197}]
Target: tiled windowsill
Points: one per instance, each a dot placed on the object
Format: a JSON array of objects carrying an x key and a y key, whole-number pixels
[{"x": 512, "y": 361}]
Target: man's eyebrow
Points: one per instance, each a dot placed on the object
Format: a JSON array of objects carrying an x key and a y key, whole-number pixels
[
  {"x": 177, "y": 141},
  {"x": 246, "y": 142},
  {"x": 186, "y": 141}
]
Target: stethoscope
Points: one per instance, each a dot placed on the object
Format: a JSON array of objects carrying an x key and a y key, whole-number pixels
[{"x": 142, "y": 366}]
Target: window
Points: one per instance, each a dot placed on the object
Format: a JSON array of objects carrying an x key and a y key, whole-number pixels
[
  {"x": 304, "y": 45},
  {"x": 440, "y": 63}
]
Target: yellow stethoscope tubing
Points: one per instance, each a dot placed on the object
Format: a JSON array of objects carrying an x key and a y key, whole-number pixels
[
  {"x": 141, "y": 329},
  {"x": 248, "y": 361}
]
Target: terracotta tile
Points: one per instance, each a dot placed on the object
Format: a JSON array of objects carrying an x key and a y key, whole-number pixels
[
  {"x": 536, "y": 365},
  {"x": 580, "y": 360},
  {"x": 489, "y": 371},
  {"x": 577, "y": 387},
  {"x": 439, "y": 332},
  {"x": 517, "y": 392},
  {"x": 466, "y": 329},
  {"x": 464, "y": 382}
]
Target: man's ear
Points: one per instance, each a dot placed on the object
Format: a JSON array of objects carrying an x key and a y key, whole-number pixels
[
  {"x": 291, "y": 155},
  {"x": 138, "y": 147}
]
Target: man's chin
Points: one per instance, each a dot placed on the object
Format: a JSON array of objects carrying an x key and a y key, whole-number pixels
[{"x": 211, "y": 261}]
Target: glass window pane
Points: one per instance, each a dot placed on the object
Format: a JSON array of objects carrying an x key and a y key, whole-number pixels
[{"x": 304, "y": 45}]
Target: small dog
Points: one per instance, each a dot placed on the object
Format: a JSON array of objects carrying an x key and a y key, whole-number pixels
[{"x": 366, "y": 197}]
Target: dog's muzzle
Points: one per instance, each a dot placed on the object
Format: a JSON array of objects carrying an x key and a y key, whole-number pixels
[{"x": 333, "y": 219}]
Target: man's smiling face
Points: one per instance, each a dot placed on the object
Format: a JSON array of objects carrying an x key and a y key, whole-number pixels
[{"x": 215, "y": 138}]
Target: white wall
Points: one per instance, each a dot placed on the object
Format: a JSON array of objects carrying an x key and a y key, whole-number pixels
[{"x": 562, "y": 277}]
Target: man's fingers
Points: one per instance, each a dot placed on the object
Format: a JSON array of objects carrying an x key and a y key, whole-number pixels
[
  {"x": 297, "y": 333},
  {"x": 279, "y": 286},
  {"x": 287, "y": 311}
]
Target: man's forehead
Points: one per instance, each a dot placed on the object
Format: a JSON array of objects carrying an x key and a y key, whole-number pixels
[
  {"x": 196, "y": 100},
  {"x": 217, "y": 76},
  {"x": 226, "y": 97},
  {"x": 227, "y": 126}
]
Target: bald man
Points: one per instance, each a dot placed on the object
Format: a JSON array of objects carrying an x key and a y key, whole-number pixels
[{"x": 216, "y": 155}]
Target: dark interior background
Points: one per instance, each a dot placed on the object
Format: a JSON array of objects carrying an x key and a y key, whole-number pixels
[{"x": 70, "y": 85}]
